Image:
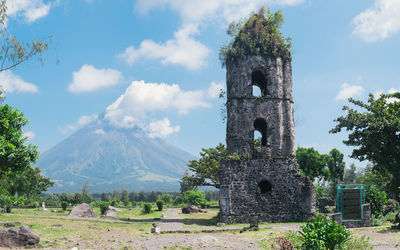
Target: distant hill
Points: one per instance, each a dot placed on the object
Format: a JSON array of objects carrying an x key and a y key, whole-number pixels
[{"x": 107, "y": 157}]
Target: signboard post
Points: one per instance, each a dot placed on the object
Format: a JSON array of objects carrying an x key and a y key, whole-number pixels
[{"x": 350, "y": 198}]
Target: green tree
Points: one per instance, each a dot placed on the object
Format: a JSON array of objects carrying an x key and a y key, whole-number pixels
[
  {"x": 15, "y": 155},
  {"x": 375, "y": 134},
  {"x": 336, "y": 167},
  {"x": 205, "y": 171},
  {"x": 312, "y": 164},
  {"x": 125, "y": 197},
  {"x": 350, "y": 175},
  {"x": 29, "y": 183},
  {"x": 12, "y": 51},
  {"x": 167, "y": 198}
]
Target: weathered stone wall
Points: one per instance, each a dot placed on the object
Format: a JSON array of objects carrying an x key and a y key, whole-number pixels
[
  {"x": 365, "y": 222},
  {"x": 276, "y": 107},
  {"x": 290, "y": 197},
  {"x": 266, "y": 187}
]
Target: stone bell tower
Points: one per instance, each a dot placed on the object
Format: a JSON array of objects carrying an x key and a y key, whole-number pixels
[{"x": 262, "y": 182}]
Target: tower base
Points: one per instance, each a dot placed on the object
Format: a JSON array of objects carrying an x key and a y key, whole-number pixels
[{"x": 266, "y": 190}]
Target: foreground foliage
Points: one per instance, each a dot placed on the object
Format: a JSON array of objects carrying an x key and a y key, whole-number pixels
[{"x": 321, "y": 233}]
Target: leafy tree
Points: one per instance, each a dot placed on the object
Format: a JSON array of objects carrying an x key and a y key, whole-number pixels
[
  {"x": 116, "y": 195},
  {"x": 105, "y": 197},
  {"x": 28, "y": 183},
  {"x": 205, "y": 171},
  {"x": 375, "y": 134},
  {"x": 336, "y": 167},
  {"x": 377, "y": 198},
  {"x": 312, "y": 164},
  {"x": 369, "y": 176},
  {"x": 350, "y": 175},
  {"x": 14, "y": 52},
  {"x": 15, "y": 156},
  {"x": 78, "y": 199},
  {"x": 167, "y": 198},
  {"x": 52, "y": 200},
  {"x": 125, "y": 197},
  {"x": 66, "y": 197}
]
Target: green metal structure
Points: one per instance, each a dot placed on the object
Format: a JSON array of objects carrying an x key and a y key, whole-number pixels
[{"x": 349, "y": 201}]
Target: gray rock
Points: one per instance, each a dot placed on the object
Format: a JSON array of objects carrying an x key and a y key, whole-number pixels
[
  {"x": 18, "y": 237},
  {"x": 156, "y": 230},
  {"x": 83, "y": 210},
  {"x": 114, "y": 209},
  {"x": 111, "y": 213},
  {"x": 191, "y": 209}
]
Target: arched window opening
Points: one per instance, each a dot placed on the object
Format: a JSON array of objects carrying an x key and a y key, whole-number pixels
[
  {"x": 265, "y": 186},
  {"x": 257, "y": 91},
  {"x": 258, "y": 79},
  {"x": 257, "y": 139},
  {"x": 260, "y": 125}
]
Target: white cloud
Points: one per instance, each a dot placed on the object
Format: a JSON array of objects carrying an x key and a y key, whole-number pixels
[
  {"x": 140, "y": 98},
  {"x": 161, "y": 128},
  {"x": 182, "y": 50},
  {"x": 99, "y": 131},
  {"x": 215, "y": 89},
  {"x": 30, "y": 135},
  {"x": 82, "y": 121},
  {"x": 378, "y": 22},
  {"x": 32, "y": 10},
  {"x": 391, "y": 91},
  {"x": 13, "y": 83},
  {"x": 347, "y": 91},
  {"x": 195, "y": 11},
  {"x": 88, "y": 79}
]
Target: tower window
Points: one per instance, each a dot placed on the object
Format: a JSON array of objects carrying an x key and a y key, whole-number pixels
[
  {"x": 265, "y": 186},
  {"x": 259, "y": 83},
  {"x": 260, "y": 125}
]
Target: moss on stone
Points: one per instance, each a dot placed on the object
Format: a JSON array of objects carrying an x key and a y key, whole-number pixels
[{"x": 258, "y": 35}]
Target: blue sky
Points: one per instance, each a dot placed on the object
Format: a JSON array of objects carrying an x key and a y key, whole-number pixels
[{"x": 154, "y": 64}]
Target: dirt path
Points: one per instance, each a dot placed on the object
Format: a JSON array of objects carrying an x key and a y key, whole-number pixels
[{"x": 172, "y": 220}]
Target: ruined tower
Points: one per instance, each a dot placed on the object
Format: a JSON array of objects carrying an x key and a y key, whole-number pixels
[{"x": 261, "y": 181}]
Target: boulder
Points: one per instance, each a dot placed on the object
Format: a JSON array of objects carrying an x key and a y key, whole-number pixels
[
  {"x": 18, "y": 237},
  {"x": 83, "y": 210},
  {"x": 110, "y": 213},
  {"x": 114, "y": 209},
  {"x": 191, "y": 209}
]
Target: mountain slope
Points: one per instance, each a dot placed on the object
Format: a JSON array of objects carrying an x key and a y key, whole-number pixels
[{"x": 107, "y": 157}]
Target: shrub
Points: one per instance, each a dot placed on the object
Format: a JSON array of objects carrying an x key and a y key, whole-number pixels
[
  {"x": 321, "y": 233},
  {"x": 160, "y": 204},
  {"x": 64, "y": 205},
  {"x": 103, "y": 205},
  {"x": 133, "y": 203},
  {"x": 167, "y": 198},
  {"x": 194, "y": 197},
  {"x": 147, "y": 208},
  {"x": 377, "y": 199}
]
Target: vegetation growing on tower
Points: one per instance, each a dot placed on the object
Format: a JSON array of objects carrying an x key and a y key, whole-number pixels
[{"x": 259, "y": 35}]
